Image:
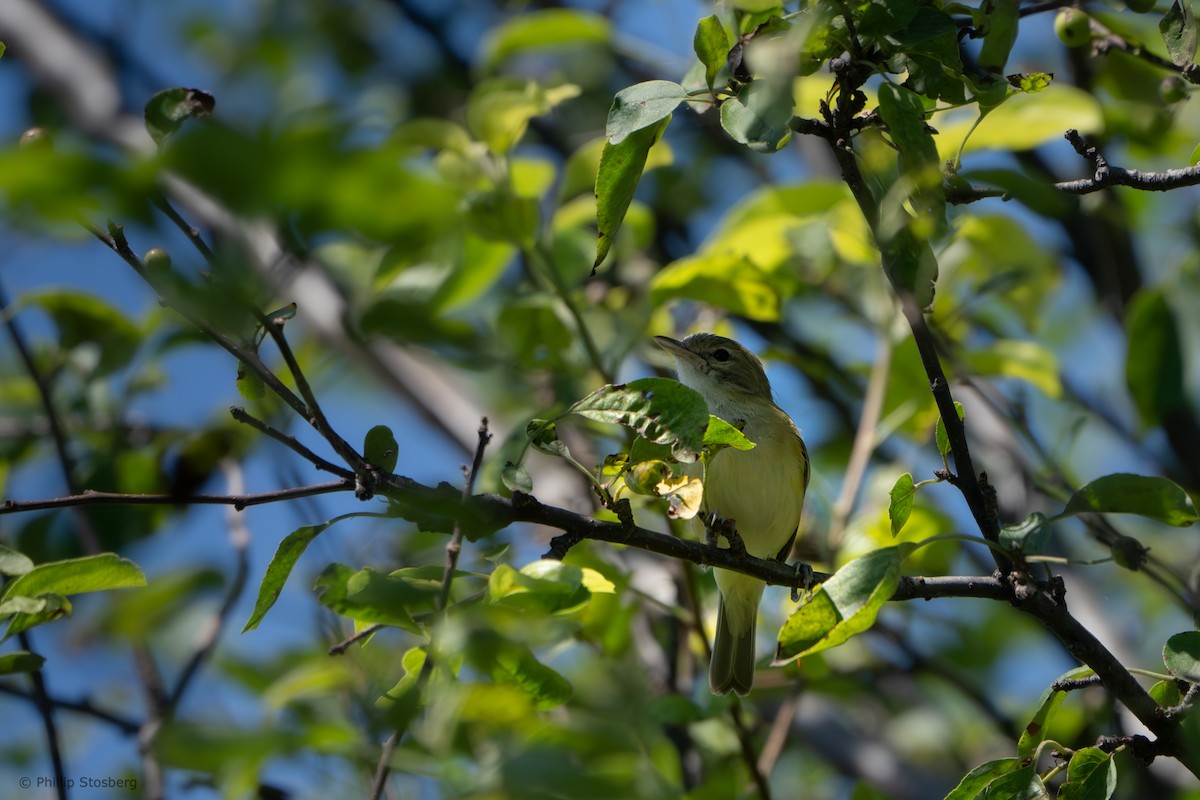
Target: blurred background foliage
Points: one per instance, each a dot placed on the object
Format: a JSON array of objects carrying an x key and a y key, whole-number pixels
[{"x": 418, "y": 176}]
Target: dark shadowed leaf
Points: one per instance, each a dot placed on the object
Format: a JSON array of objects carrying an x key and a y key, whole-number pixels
[
  {"x": 380, "y": 448},
  {"x": 1154, "y": 362},
  {"x": 168, "y": 110},
  {"x": 1178, "y": 28},
  {"x": 1152, "y": 497},
  {"x": 22, "y": 661}
]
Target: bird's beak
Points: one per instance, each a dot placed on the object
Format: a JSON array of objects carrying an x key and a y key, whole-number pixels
[{"x": 676, "y": 348}]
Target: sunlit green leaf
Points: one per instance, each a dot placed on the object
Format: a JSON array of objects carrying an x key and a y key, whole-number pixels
[
  {"x": 844, "y": 605},
  {"x": 1091, "y": 775},
  {"x": 940, "y": 435},
  {"x": 96, "y": 573},
  {"x": 551, "y": 28},
  {"x": 662, "y": 410},
  {"x": 1037, "y": 729},
  {"x": 901, "y": 502},
  {"x": 285, "y": 558},
  {"x": 722, "y": 279},
  {"x": 642, "y": 106},
  {"x": 711, "y": 43},
  {"x": 1021, "y": 359},
  {"x": 369, "y": 596},
  {"x": 721, "y": 434},
  {"x": 1025, "y": 122},
  {"x": 14, "y": 562},
  {"x": 1181, "y": 654}
]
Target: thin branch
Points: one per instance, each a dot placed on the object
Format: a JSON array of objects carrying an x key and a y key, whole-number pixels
[
  {"x": 115, "y": 241},
  {"x": 1107, "y": 175},
  {"x": 313, "y": 413},
  {"x": 190, "y": 231},
  {"x": 241, "y": 415},
  {"x": 746, "y": 747},
  {"x": 341, "y": 647},
  {"x": 238, "y": 501},
  {"x": 453, "y": 550},
  {"x": 864, "y": 443},
  {"x": 85, "y": 707},
  {"x": 778, "y": 735},
  {"x": 239, "y": 539}
]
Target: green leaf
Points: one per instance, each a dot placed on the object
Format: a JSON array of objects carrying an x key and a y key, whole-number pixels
[
  {"x": 1154, "y": 367},
  {"x": 21, "y": 661},
  {"x": 844, "y": 605},
  {"x": 499, "y": 109},
  {"x": 621, "y": 167},
  {"x": 168, "y": 109},
  {"x": 662, "y": 410},
  {"x": 904, "y": 114},
  {"x": 96, "y": 573},
  {"x": 1030, "y": 82},
  {"x": 721, "y": 434},
  {"x": 711, "y": 43},
  {"x": 516, "y": 664},
  {"x": 1151, "y": 497},
  {"x": 1194, "y": 158},
  {"x": 929, "y": 53},
  {"x": 1091, "y": 775},
  {"x": 1178, "y": 28},
  {"x": 758, "y": 117},
  {"x": 912, "y": 266},
  {"x": 543, "y": 435},
  {"x": 722, "y": 279},
  {"x": 85, "y": 319},
  {"x": 285, "y": 558},
  {"x": 901, "y": 502},
  {"x": 541, "y": 30},
  {"x": 516, "y": 478},
  {"x": 1025, "y": 121},
  {"x": 1166, "y": 694},
  {"x": 939, "y": 432},
  {"x": 1035, "y": 732},
  {"x": 2, "y": 48},
  {"x": 1181, "y": 654},
  {"x": 1025, "y": 360},
  {"x": 641, "y": 106},
  {"x": 546, "y": 586},
  {"x": 975, "y": 783},
  {"x": 373, "y": 597},
  {"x": 14, "y": 562},
  {"x": 380, "y": 448},
  {"x": 1028, "y": 536},
  {"x": 249, "y": 384},
  {"x": 1002, "y": 17}
]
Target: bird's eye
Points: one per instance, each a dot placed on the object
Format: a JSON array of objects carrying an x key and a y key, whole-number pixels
[{"x": 721, "y": 354}]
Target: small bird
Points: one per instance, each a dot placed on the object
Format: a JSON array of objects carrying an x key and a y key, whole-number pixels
[{"x": 761, "y": 490}]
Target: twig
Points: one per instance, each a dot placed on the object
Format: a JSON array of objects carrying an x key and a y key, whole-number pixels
[
  {"x": 241, "y": 415},
  {"x": 341, "y": 647},
  {"x": 746, "y": 743},
  {"x": 41, "y": 701},
  {"x": 116, "y": 242},
  {"x": 453, "y": 550},
  {"x": 85, "y": 706},
  {"x": 864, "y": 443},
  {"x": 238, "y": 501},
  {"x": 778, "y": 735},
  {"x": 190, "y": 231},
  {"x": 239, "y": 539},
  {"x": 313, "y": 413},
  {"x": 1107, "y": 175}
]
